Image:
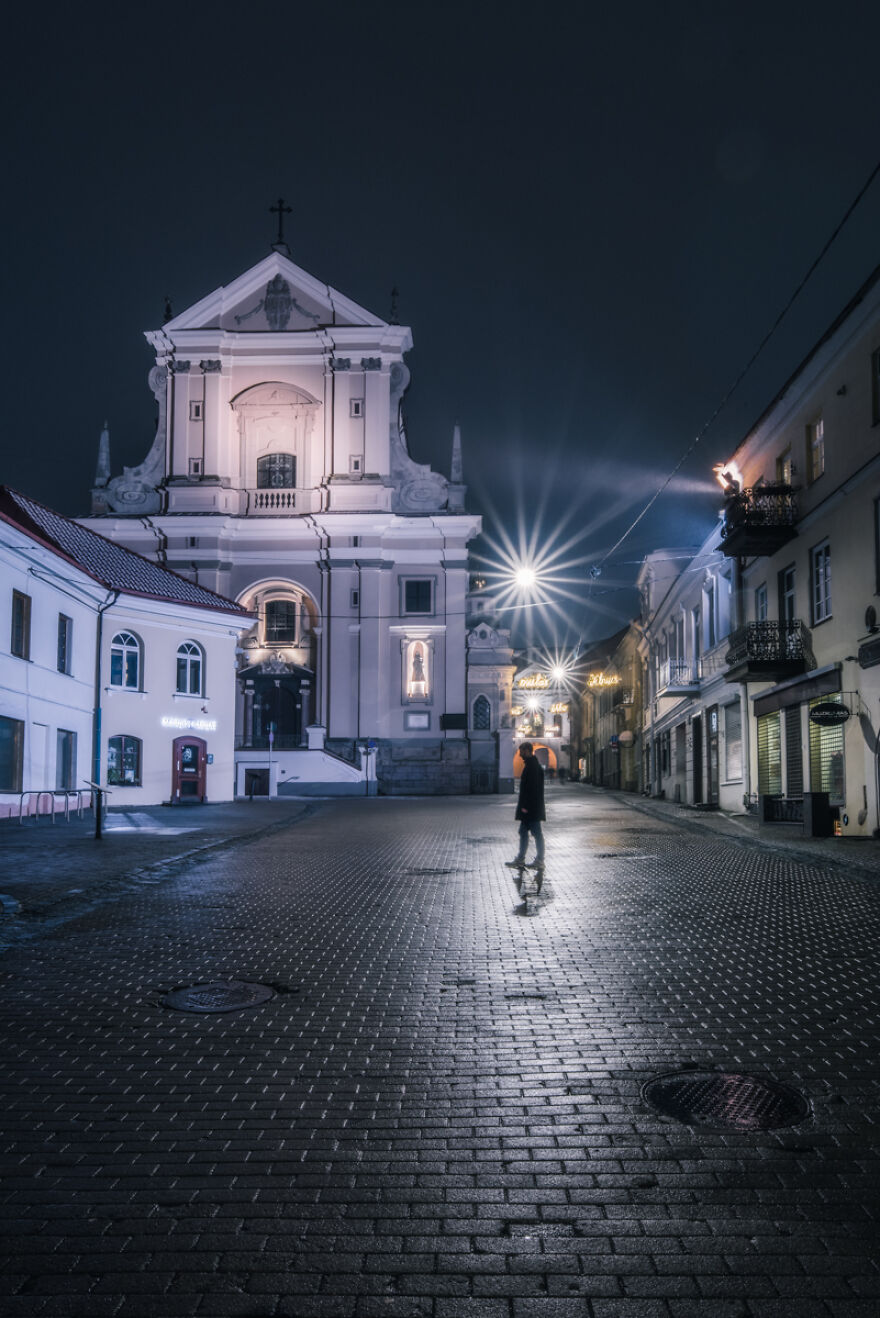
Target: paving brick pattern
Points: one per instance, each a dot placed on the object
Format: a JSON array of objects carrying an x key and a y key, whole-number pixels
[{"x": 439, "y": 1111}]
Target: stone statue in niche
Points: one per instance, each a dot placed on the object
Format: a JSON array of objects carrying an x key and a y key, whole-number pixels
[{"x": 417, "y": 682}]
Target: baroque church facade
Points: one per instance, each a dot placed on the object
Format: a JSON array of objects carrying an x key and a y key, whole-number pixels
[{"x": 280, "y": 477}]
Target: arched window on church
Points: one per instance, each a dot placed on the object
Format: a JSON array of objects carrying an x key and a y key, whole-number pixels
[
  {"x": 281, "y": 620},
  {"x": 482, "y": 715},
  {"x": 276, "y": 471}
]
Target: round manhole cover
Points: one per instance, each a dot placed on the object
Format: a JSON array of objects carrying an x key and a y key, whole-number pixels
[
  {"x": 726, "y": 1098},
  {"x": 219, "y": 995}
]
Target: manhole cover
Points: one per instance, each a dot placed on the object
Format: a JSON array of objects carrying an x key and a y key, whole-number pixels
[
  {"x": 219, "y": 995},
  {"x": 725, "y": 1098}
]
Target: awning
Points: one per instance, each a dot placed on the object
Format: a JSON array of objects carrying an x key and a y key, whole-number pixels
[{"x": 796, "y": 690}]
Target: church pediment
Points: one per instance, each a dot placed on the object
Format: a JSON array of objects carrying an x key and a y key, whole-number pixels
[{"x": 274, "y": 297}]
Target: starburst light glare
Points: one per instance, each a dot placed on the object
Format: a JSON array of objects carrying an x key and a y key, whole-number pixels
[{"x": 525, "y": 577}]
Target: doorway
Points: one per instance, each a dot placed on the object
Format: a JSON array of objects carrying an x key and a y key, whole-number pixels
[
  {"x": 697, "y": 766},
  {"x": 712, "y": 757},
  {"x": 189, "y": 769}
]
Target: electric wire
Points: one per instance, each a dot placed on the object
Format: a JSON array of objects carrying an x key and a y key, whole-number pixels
[{"x": 749, "y": 364}]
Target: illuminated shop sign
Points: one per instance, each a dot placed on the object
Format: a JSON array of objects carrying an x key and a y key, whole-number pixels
[
  {"x": 189, "y": 724},
  {"x": 599, "y": 679},
  {"x": 561, "y": 707},
  {"x": 533, "y": 682}
]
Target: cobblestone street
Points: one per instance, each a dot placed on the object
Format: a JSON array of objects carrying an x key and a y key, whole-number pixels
[{"x": 439, "y": 1112}]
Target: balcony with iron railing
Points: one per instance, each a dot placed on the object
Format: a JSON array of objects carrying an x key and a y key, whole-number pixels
[
  {"x": 679, "y": 677},
  {"x": 758, "y": 521},
  {"x": 769, "y": 650}
]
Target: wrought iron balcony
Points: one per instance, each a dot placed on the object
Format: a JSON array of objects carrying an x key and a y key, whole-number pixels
[
  {"x": 758, "y": 521},
  {"x": 769, "y": 651},
  {"x": 679, "y": 677}
]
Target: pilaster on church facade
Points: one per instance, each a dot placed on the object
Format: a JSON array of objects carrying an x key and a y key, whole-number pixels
[{"x": 281, "y": 476}]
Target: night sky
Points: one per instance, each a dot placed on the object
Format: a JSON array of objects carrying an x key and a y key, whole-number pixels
[{"x": 592, "y": 219}]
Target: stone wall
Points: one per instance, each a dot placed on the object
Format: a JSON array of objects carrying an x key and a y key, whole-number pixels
[{"x": 423, "y": 768}]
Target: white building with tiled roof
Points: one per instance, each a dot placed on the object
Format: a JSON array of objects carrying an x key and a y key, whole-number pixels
[
  {"x": 281, "y": 476},
  {"x": 112, "y": 670}
]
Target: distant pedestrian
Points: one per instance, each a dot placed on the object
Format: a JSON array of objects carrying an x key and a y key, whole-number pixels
[{"x": 530, "y": 809}]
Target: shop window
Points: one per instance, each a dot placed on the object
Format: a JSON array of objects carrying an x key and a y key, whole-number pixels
[
  {"x": 65, "y": 760},
  {"x": 11, "y": 753},
  {"x": 826, "y": 755},
  {"x": 276, "y": 471},
  {"x": 190, "y": 661},
  {"x": 124, "y": 762},
  {"x": 20, "y": 641},
  {"x": 482, "y": 714},
  {"x": 769, "y": 756},
  {"x": 125, "y": 661},
  {"x": 65, "y": 643},
  {"x": 733, "y": 745}
]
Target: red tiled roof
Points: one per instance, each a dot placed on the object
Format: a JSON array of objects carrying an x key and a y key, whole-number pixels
[{"x": 112, "y": 565}]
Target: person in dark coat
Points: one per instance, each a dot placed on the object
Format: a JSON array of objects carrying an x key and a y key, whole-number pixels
[{"x": 530, "y": 809}]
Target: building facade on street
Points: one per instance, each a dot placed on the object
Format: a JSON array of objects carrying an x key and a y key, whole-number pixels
[
  {"x": 542, "y": 714},
  {"x": 762, "y": 649},
  {"x": 611, "y": 719},
  {"x": 280, "y": 476},
  {"x": 113, "y": 670}
]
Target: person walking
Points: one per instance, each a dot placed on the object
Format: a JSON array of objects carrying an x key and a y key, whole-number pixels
[{"x": 530, "y": 810}]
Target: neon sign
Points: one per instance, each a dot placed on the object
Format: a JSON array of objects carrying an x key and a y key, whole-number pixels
[
  {"x": 533, "y": 682},
  {"x": 190, "y": 724},
  {"x": 599, "y": 679},
  {"x": 561, "y": 707}
]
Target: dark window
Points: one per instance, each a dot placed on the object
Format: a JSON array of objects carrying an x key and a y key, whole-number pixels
[
  {"x": 124, "y": 762},
  {"x": 281, "y": 618},
  {"x": 875, "y": 387},
  {"x": 65, "y": 760},
  {"x": 189, "y": 669},
  {"x": 787, "y": 601},
  {"x": 276, "y": 471},
  {"x": 125, "y": 661},
  {"x": 11, "y": 753},
  {"x": 417, "y": 597},
  {"x": 820, "y": 565},
  {"x": 65, "y": 643},
  {"x": 21, "y": 625},
  {"x": 482, "y": 714}
]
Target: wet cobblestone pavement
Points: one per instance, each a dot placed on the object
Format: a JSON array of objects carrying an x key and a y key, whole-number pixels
[{"x": 439, "y": 1111}]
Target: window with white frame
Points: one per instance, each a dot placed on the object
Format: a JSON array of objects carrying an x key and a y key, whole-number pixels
[
  {"x": 761, "y": 602},
  {"x": 125, "y": 661},
  {"x": 65, "y": 643},
  {"x": 190, "y": 667},
  {"x": 820, "y": 569},
  {"x": 815, "y": 449}
]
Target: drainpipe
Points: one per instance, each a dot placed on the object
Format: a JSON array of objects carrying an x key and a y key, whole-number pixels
[{"x": 111, "y": 599}]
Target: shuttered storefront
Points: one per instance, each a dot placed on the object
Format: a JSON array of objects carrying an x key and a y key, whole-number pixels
[
  {"x": 826, "y": 756},
  {"x": 769, "y": 756}
]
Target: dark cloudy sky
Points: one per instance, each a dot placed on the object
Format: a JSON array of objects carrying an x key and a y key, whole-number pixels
[{"x": 593, "y": 215}]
